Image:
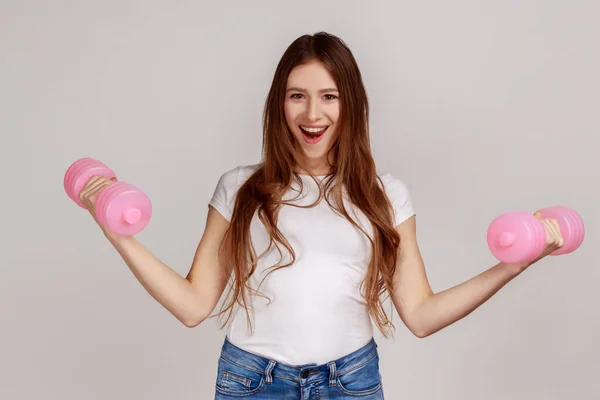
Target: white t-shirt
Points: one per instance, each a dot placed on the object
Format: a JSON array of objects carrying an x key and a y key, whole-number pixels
[{"x": 316, "y": 313}]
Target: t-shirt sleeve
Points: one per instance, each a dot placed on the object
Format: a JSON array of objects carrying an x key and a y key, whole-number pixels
[
  {"x": 223, "y": 198},
  {"x": 399, "y": 196}
]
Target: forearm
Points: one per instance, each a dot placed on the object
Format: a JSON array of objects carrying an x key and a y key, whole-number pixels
[
  {"x": 166, "y": 286},
  {"x": 444, "y": 308}
]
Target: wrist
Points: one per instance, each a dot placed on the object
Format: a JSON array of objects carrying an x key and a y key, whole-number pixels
[
  {"x": 115, "y": 240},
  {"x": 516, "y": 268}
]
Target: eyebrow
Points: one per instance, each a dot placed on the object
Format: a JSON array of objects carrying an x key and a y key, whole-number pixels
[{"x": 295, "y": 89}]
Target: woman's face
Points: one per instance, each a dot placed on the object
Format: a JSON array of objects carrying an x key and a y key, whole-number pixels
[{"x": 312, "y": 109}]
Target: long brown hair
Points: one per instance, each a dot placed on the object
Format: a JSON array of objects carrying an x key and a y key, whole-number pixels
[{"x": 352, "y": 167}]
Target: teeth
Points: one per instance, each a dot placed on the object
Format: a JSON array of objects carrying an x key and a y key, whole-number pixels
[{"x": 313, "y": 130}]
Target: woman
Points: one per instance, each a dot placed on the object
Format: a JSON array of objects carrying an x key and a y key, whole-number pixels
[{"x": 310, "y": 240}]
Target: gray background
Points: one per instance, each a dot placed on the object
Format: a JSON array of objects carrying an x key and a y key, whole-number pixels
[{"x": 480, "y": 107}]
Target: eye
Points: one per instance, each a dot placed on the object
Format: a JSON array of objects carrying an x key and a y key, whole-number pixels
[
  {"x": 331, "y": 97},
  {"x": 295, "y": 94}
]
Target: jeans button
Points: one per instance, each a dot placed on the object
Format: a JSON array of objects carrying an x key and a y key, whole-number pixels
[{"x": 304, "y": 374}]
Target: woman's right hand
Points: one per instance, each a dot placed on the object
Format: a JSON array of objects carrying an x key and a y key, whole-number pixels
[{"x": 88, "y": 197}]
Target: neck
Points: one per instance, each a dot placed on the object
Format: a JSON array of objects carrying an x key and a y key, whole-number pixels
[
  {"x": 314, "y": 166},
  {"x": 321, "y": 170}
]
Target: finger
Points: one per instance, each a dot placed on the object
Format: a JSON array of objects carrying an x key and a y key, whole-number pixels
[
  {"x": 92, "y": 180},
  {"x": 554, "y": 237},
  {"x": 538, "y": 214},
  {"x": 99, "y": 184},
  {"x": 89, "y": 184},
  {"x": 553, "y": 225},
  {"x": 558, "y": 233},
  {"x": 93, "y": 186},
  {"x": 91, "y": 192},
  {"x": 549, "y": 233},
  {"x": 84, "y": 190}
]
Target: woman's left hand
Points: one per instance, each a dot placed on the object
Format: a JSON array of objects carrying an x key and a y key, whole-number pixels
[{"x": 554, "y": 237}]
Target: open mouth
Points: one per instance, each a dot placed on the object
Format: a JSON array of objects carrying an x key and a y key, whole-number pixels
[{"x": 313, "y": 135}]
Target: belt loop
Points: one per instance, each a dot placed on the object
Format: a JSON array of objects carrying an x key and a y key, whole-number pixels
[
  {"x": 332, "y": 373},
  {"x": 269, "y": 378}
]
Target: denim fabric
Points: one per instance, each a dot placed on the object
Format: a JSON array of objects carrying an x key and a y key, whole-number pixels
[{"x": 243, "y": 375}]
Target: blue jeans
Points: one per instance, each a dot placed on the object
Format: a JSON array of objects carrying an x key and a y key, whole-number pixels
[{"x": 245, "y": 375}]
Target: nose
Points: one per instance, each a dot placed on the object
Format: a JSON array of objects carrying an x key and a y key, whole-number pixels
[{"x": 313, "y": 111}]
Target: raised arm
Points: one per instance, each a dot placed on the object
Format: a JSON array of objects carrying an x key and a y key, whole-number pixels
[
  {"x": 425, "y": 312},
  {"x": 191, "y": 299}
]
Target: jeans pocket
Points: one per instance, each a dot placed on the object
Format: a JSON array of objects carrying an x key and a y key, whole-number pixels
[
  {"x": 235, "y": 380},
  {"x": 364, "y": 380}
]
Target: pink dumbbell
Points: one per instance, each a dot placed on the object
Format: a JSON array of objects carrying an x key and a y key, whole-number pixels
[
  {"x": 519, "y": 237},
  {"x": 120, "y": 207}
]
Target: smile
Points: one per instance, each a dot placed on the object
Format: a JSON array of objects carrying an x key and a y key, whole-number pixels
[{"x": 313, "y": 135}]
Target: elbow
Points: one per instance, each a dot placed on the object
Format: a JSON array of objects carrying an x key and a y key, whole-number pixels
[
  {"x": 192, "y": 323},
  {"x": 194, "y": 320},
  {"x": 195, "y": 313},
  {"x": 419, "y": 331},
  {"x": 420, "y": 334},
  {"x": 423, "y": 333}
]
